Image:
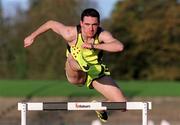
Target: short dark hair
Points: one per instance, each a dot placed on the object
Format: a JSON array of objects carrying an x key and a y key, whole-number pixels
[{"x": 90, "y": 12}]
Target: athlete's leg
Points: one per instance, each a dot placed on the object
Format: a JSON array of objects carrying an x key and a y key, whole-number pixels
[
  {"x": 73, "y": 72},
  {"x": 107, "y": 87}
]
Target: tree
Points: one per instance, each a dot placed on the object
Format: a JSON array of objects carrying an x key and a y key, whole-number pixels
[
  {"x": 149, "y": 31},
  {"x": 46, "y": 58}
]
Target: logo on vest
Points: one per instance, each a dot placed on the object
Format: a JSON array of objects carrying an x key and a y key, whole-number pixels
[{"x": 86, "y": 67}]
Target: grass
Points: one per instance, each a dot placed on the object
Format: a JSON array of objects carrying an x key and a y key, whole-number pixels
[
  {"x": 30, "y": 88},
  {"x": 151, "y": 88}
]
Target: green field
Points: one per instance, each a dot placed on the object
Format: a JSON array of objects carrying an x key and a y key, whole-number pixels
[{"x": 30, "y": 88}]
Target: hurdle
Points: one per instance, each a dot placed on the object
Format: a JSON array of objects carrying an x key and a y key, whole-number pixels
[{"x": 52, "y": 106}]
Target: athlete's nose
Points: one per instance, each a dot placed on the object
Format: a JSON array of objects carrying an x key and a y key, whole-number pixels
[{"x": 91, "y": 27}]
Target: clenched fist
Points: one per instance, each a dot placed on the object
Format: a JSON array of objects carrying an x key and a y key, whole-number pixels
[
  {"x": 87, "y": 45},
  {"x": 28, "y": 41}
]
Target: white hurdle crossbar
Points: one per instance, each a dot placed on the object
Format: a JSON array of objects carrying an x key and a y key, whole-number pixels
[{"x": 50, "y": 106}]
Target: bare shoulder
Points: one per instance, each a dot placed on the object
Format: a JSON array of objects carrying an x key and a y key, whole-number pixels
[
  {"x": 105, "y": 36},
  {"x": 105, "y": 33},
  {"x": 67, "y": 32}
]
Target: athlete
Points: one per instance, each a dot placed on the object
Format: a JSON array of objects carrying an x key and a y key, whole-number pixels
[{"x": 85, "y": 43}]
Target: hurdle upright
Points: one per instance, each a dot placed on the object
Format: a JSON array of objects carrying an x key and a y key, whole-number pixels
[{"x": 51, "y": 106}]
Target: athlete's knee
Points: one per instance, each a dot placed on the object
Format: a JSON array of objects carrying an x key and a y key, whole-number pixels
[
  {"x": 72, "y": 81},
  {"x": 75, "y": 81},
  {"x": 119, "y": 98}
]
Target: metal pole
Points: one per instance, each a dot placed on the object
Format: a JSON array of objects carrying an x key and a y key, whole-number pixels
[
  {"x": 23, "y": 113},
  {"x": 144, "y": 114}
]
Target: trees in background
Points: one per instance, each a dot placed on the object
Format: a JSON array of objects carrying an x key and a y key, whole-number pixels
[
  {"x": 148, "y": 29},
  {"x": 45, "y": 59}
]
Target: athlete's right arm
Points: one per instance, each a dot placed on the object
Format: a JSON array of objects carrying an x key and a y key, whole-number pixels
[{"x": 67, "y": 32}]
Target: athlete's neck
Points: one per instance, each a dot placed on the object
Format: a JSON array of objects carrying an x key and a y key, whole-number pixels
[{"x": 86, "y": 38}]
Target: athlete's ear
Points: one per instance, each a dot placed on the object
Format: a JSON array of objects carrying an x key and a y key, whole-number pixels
[{"x": 81, "y": 23}]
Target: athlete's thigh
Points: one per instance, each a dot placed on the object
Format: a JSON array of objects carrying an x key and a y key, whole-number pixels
[
  {"x": 74, "y": 76},
  {"x": 69, "y": 71},
  {"x": 71, "y": 67},
  {"x": 107, "y": 87}
]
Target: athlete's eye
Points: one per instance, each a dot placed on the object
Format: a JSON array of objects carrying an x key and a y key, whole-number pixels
[
  {"x": 87, "y": 24},
  {"x": 95, "y": 24}
]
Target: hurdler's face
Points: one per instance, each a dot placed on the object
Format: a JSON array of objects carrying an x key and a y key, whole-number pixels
[{"x": 89, "y": 26}]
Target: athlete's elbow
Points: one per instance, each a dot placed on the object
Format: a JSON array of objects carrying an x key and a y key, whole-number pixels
[
  {"x": 48, "y": 24},
  {"x": 53, "y": 25},
  {"x": 50, "y": 21},
  {"x": 120, "y": 48}
]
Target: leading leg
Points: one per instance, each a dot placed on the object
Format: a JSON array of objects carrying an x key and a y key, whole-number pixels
[{"x": 109, "y": 89}]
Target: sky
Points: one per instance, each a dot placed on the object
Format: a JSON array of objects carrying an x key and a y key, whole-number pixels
[
  {"x": 105, "y": 6},
  {"x": 10, "y": 5}
]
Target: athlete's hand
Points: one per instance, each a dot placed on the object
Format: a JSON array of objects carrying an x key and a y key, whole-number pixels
[
  {"x": 87, "y": 45},
  {"x": 28, "y": 41}
]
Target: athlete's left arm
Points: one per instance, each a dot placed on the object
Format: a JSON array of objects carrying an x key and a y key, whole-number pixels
[{"x": 108, "y": 43}]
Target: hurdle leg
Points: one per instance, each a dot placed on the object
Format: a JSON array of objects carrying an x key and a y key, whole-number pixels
[
  {"x": 23, "y": 113},
  {"x": 144, "y": 114}
]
